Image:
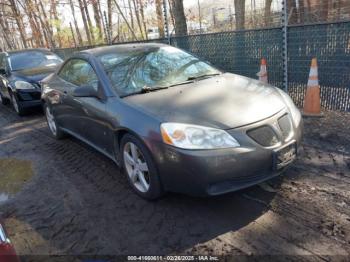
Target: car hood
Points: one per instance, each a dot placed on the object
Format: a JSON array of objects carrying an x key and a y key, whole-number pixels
[
  {"x": 226, "y": 101},
  {"x": 35, "y": 74}
]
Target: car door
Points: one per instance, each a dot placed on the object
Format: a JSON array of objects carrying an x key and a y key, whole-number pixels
[{"x": 83, "y": 116}]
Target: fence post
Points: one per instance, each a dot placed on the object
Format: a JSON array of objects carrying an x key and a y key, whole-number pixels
[
  {"x": 285, "y": 44},
  {"x": 165, "y": 11}
]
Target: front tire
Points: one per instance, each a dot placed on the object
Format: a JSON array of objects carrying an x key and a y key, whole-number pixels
[
  {"x": 55, "y": 130},
  {"x": 140, "y": 168},
  {"x": 17, "y": 105},
  {"x": 3, "y": 100}
]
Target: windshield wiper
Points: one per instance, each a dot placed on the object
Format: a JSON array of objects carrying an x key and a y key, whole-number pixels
[
  {"x": 202, "y": 76},
  {"x": 147, "y": 89}
]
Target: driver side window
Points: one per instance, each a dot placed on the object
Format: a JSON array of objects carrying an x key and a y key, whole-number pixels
[{"x": 80, "y": 73}]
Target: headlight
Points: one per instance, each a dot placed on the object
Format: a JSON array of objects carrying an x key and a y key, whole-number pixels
[
  {"x": 23, "y": 85},
  {"x": 296, "y": 115},
  {"x": 196, "y": 137}
]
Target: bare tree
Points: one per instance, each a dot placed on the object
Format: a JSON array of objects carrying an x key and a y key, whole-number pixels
[
  {"x": 19, "y": 20},
  {"x": 160, "y": 18},
  {"x": 141, "y": 8},
  {"x": 125, "y": 20},
  {"x": 179, "y": 17},
  {"x": 86, "y": 10},
  {"x": 109, "y": 15},
  {"x": 5, "y": 30},
  {"x": 97, "y": 16},
  {"x": 292, "y": 11},
  {"x": 138, "y": 18},
  {"x": 240, "y": 14},
  {"x": 267, "y": 13},
  {"x": 57, "y": 22},
  {"x": 86, "y": 26},
  {"x": 80, "y": 39}
]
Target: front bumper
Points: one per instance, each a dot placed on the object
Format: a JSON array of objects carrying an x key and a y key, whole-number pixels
[
  {"x": 214, "y": 172},
  {"x": 29, "y": 98}
]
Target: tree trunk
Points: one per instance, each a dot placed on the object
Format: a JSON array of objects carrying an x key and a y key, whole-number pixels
[
  {"x": 103, "y": 20},
  {"x": 131, "y": 16},
  {"x": 83, "y": 16},
  {"x": 18, "y": 17},
  {"x": 324, "y": 11},
  {"x": 45, "y": 24},
  {"x": 57, "y": 22},
  {"x": 160, "y": 18},
  {"x": 91, "y": 28},
  {"x": 301, "y": 11},
  {"x": 80, "y": 39},
  {"x": 97, "y": 16},
  {"x": 125, "y": 20},
  {"x": 143, "y": 18},
  {"x": 267, "y": 14},
  {"x": 292, "y": 12},
  {"x": 109, "y": 15},
  {"x": 36, "y": 34},
  {"x": 6, "y": 33},
  {"x": 72, "y": 31},
  {"x": 138, "y": 19},
  {"x": 240, "y": 14},
  {"x": 179, "y": 17}
]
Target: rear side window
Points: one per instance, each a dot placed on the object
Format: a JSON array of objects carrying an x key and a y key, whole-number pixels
[{"x": 80, "y": 73}]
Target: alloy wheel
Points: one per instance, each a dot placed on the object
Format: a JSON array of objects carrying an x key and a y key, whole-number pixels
[
  {"x": 136, "y": 167},
  {"x": 51, "y": 121}
]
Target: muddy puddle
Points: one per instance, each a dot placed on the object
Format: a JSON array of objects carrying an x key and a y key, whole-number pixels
[{"x": 14, "y": 174}]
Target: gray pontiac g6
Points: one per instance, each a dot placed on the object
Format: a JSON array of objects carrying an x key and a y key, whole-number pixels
[{"x": 172, "y": 121}]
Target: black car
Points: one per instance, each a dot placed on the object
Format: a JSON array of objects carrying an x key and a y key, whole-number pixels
[
  {"x": 173, "y": 121},
  {"x": 20, "y": 76}
]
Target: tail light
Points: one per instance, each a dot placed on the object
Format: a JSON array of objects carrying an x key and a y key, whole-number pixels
[{"x": 7, "y": 251}]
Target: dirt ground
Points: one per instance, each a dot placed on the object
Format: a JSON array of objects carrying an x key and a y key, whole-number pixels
[{"x": 72, "y": 200}]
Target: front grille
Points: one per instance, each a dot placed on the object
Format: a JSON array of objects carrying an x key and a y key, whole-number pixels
[
  {"x": 285, "y": 126},
  {"x": 29, "y": 96},
  {"x": 263, "y": 135}
]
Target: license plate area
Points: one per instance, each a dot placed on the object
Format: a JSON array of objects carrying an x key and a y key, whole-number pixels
[{"x": 284, "y": 156}]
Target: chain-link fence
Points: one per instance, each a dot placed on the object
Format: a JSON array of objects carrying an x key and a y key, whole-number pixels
[{"x": 240, "y": 52}]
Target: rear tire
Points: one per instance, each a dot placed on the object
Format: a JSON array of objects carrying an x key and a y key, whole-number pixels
[
  {"x": 140, "y": 168},
  {"x": 55, "y": 130}
]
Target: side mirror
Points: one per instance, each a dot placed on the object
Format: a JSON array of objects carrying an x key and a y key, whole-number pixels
[
  {"x": 85, "y": 91},
  {"x": 3, "y": 71}
]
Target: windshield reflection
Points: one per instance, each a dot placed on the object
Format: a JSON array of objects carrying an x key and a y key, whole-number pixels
[
  {"x": 159, "y": 67},
  {"x": 33, "y": 59}
]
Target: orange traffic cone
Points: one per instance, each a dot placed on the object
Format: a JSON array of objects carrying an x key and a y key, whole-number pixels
[
  {"x": 263, "y": 71},
  {"x": 312, "y": 102}
]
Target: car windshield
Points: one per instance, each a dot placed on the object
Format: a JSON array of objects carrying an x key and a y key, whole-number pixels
[
  {"x": 158, "y": 67},
  {"x": 33, "y": 59}
]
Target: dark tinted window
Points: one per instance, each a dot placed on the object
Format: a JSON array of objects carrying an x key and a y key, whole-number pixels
[
  {"x": 79, "y": 72},
  {"x": 32, "y": 59},
  {"x": 157, "y": 67}
]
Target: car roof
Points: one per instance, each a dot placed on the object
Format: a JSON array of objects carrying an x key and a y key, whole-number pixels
[
  {"x": 122, "y": 48},
  {"x": 28, "y": 50}
]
